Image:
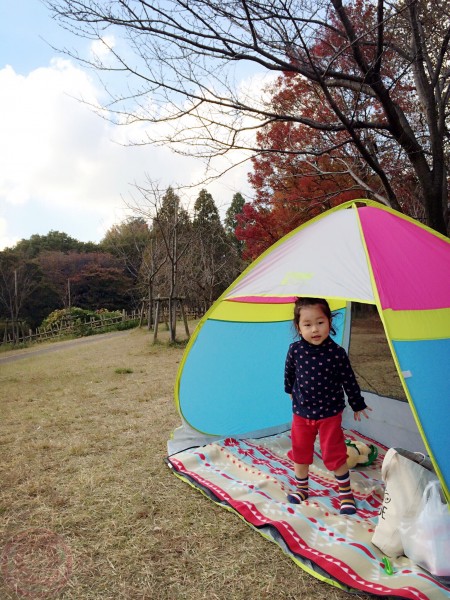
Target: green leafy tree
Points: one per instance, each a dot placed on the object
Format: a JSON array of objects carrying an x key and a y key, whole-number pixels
[
  {"x": 128, "y": 241},
  {"x": 52, "y": 241},
  {"x": 131, "y": 241}
]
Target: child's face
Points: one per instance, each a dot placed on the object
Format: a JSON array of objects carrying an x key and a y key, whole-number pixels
[{"x": 314, "y": 325}]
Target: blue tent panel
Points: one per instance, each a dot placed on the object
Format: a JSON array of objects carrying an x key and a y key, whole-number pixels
[
  {"x": 234, "y": 382},
  {"x": 233, "y": 379},
  {"x": 428, "y": 383}
]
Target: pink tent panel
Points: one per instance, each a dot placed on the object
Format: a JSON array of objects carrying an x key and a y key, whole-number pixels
[{"x": 404, "y": 249}]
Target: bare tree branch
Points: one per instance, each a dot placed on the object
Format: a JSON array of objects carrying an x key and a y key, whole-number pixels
[{"x": 376, "y": 73}]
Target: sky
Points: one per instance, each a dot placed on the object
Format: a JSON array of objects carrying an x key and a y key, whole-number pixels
[{"x": 62, "y": 167}]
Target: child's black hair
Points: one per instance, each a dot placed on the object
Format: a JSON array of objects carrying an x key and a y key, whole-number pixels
[{"x": 302, "y": 302}]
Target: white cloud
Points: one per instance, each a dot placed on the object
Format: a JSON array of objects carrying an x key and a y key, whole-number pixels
[
  {"x": 49, "y": 139},
  {"x": 102, "y": 48},
  {"x": 5, "y": 240},
  {"x": 65, "y": 168}
]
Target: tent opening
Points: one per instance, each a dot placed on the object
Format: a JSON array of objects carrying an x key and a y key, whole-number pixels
[{"x": 370, "y": 354}]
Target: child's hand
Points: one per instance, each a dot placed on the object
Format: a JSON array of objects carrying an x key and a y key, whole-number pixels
[{"x": 357, "y": 414}]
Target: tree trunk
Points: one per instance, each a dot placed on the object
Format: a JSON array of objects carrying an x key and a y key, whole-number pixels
[
  {"x": 150, "y": 306},
  {"x": 434, "y": 210}
]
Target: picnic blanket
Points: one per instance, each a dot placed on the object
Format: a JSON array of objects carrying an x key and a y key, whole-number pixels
[{"x": 253, "y": 476}]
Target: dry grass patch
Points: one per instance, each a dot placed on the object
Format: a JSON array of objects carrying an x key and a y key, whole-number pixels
[{"x": 83, "y": 450}]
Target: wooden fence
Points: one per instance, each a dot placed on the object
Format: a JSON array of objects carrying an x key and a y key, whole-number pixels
[
  {"x": 85, "y": 328},
  {"x": 68, "y": 327}
]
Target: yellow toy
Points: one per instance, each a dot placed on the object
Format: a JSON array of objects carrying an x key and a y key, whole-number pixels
[{"x": 360, "y": 454}]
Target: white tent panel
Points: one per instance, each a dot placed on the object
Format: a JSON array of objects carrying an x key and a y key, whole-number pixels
[
  {"x": 390, "y": 422},
  {"x": 326, "y": 259}
]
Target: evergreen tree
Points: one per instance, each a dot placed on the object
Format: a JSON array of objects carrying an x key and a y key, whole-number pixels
[
  {"x": 205, "y": 211},
  {"x": 231, "y": 221},
  {"x": 235, "y": 208},
  {"x": 212, "y": 257}
]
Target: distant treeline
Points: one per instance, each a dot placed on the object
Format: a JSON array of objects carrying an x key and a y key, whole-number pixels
[{"x": 162, "y": 250}]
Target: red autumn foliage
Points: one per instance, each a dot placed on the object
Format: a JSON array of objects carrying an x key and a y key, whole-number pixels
[{"x": 301, "y": 171}]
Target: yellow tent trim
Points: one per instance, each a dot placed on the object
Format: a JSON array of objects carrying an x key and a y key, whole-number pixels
[
  {"x": 256, "y": 312},
  {"x": 405, "y": 324}
]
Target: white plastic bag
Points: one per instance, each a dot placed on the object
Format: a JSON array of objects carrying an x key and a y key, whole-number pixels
[
  {"x": 405, "y": 482},
  {"x": 426, "y": 536}
]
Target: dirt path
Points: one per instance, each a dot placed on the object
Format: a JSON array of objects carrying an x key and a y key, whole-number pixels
[{"x": 13, "y": 355}]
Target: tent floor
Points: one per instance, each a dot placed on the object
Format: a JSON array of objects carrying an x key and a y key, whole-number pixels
[{"x": 253, "y": 476}]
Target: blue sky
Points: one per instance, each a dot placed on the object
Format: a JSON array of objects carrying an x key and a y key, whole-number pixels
[
  {"x": 63, "y": 167},
  {"x": 24, "y": 27}
]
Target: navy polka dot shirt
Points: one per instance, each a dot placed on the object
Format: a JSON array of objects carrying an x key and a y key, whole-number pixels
[{"x": 317, "y": 377}]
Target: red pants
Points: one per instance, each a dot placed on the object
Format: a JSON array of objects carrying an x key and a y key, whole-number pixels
[{"x": 332, "y": 441}]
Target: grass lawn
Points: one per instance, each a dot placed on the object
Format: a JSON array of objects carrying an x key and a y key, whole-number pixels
[{"x": 88, "y": 508}]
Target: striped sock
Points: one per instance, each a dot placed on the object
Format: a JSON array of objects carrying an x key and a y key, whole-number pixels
[
  {"x": 348, "y": 505},
  {"x": 301, "y": 491}
]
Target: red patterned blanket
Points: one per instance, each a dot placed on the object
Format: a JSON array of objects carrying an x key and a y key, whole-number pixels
[{"x": 253, "y": 476}]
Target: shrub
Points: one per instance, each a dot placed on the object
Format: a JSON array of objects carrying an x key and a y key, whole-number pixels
[{"x": 76, "y": 317}]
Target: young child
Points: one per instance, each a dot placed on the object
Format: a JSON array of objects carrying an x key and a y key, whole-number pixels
[{"x": 317, "y": 372}]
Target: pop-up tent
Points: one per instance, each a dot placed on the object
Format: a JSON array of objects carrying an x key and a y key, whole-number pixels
[
  {"x": 230, "y": 380},
  {"x": 234, "y": 440}
]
